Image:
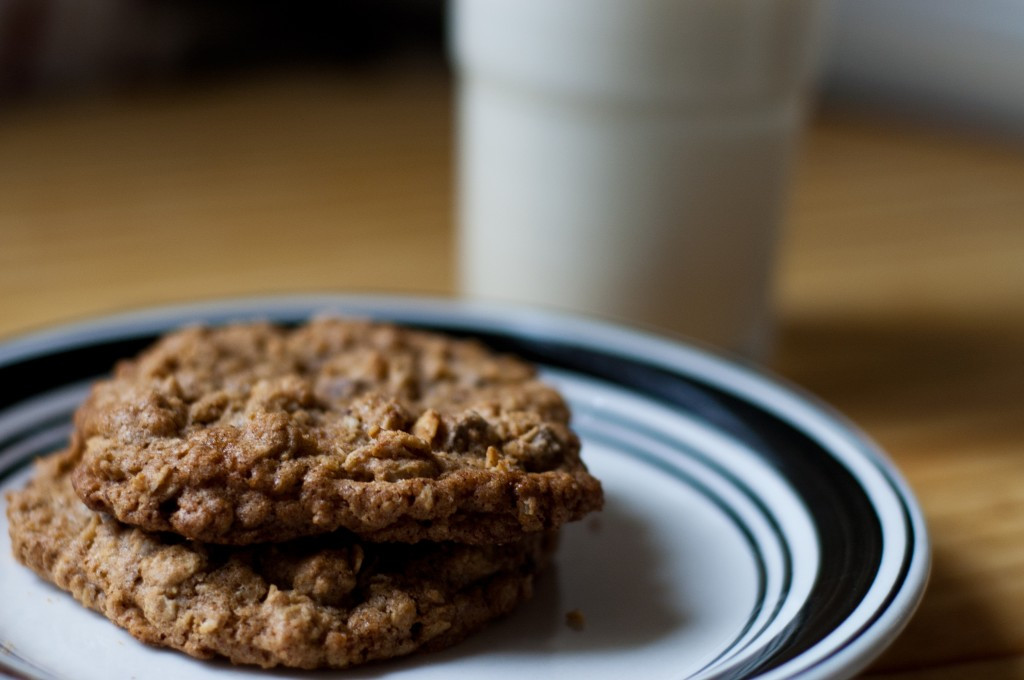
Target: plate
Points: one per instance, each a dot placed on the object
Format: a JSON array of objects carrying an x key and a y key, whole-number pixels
[{"x": 748, "y": 530}]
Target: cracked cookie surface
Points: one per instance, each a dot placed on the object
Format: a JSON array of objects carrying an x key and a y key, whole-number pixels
[
  {"x": 327, "y": 601},
  {"x": 251, "y": 433}
]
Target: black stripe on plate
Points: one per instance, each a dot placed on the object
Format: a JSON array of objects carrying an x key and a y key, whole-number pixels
[
  {"x": 33, "y": 376},
  {"x": 628, "y": 448},
  {"x": 33, "y": 429},
  {"x": 738, "y": 484}
]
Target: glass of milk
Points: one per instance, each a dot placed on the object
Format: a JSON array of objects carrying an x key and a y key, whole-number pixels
[{"x": 629, "y": 159}]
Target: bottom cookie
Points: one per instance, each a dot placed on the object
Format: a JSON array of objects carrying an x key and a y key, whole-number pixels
[{"x": 332, "y": 601}]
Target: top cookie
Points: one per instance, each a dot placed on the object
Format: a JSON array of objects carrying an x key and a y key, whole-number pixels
[{"x": 253, "y": 433}]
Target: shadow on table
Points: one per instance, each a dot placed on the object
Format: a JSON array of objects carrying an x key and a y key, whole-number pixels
[
  {"x": 902, "y": 368},
  {"x": 954, "y": 624},
  {"x": 938, "y": 394}
]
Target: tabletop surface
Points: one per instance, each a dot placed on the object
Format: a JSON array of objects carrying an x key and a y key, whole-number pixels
[{"x": 900, "y": 295}]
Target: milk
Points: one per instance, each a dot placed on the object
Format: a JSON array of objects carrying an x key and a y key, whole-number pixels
[{"x": 629, "y": 159}]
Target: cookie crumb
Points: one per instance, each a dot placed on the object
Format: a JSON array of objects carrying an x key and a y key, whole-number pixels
[{"x": 575, "y": 620}]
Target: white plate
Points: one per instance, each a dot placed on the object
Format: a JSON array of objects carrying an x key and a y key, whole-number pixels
[{"x": 748, "y": 531}]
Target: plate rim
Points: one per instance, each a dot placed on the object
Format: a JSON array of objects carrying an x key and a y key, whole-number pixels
[{"x": 773, "y": 394}]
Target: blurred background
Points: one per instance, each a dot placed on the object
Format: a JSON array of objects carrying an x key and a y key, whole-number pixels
[{"x": 156, "y": 151}]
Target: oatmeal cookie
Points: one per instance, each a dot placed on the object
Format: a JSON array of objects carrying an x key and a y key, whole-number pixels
[
  {"x": 252, "y": 433},
  {"x": 327, "y": 601}
]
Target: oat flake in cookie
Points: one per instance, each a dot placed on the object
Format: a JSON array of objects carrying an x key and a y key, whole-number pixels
[
  {"x": 253, "y": 433},
  {"x": 327, "y": 601}
]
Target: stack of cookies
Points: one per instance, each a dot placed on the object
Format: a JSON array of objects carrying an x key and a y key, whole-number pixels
[{"x": 322, "y": 496}]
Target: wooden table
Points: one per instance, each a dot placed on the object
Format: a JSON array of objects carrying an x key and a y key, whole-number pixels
[{"x": 901, "y": 289}]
